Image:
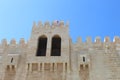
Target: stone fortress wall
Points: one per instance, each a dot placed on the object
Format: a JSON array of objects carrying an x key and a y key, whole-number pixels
[{"x": 41, "y": 59}]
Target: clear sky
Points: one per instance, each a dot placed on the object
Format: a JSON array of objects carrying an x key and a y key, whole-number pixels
[{"x": 87, "y": 17}]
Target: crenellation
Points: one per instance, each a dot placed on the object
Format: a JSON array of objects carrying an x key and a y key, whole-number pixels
[
  {"x": 47, "y": 24},
  {"x": 88, "y": 42},
  {"x": 4, "y": 42},
  {"x": 54, "y": 24},
  {"x": 79, "y": 40},
  {"x": 107, "y": 39},
  {"x": 97, "y": 40},
  {"x": 40, "y": 24},
  {"x": 22, "y": 41},
  {"x": 49, "y": 54},
  {"x": 34, "y": 27},
  {"x": 13, "y": 42},
  {"x": 116, "y": 39},
  {"x": 98, "y": 43},
  {"x": 61, "y": 23}
]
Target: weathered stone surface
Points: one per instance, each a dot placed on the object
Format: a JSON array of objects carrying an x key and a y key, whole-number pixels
[{"x": 80, "y": 61}]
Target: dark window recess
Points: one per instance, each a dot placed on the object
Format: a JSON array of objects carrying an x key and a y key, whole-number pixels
[
  {"x": 42, "y": 45},
  {"x": 81, "y": 66},
  {"x": 56, "y": 46},
  {"x": 83, "y": 59},
  {"x": 11, "y": 60}
]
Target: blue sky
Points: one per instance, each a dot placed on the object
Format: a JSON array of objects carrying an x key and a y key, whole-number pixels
[{"x": 87, "y": 17}]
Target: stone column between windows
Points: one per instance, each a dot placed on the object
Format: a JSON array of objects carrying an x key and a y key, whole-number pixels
[
  {"x": 38, "y": 66},
  {"x": 55, "y": 66},
  {"x": 43, "y": 66},
  {"x": 51, "y": 66},
  {"x": 63, "y": 67},
  {"x": 48, "y": 52}
]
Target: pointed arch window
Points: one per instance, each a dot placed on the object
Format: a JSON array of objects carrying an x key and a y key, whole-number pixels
[
  {"x": 42, "y": 46},
  {"x": 56, "y": 46}
]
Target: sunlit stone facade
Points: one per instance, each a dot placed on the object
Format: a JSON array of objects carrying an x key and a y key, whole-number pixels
[{"x": 49, "y": 54}]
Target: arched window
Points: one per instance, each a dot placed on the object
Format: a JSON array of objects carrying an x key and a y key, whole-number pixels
[
  {"x": 56, "y": 46},
  {"x": 11, "y": 60},
  {"x": 83, "y": 59},
  {"x": 42, "y": 45}
]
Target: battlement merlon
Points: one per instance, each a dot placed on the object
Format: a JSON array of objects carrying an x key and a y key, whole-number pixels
[
  {"x": 5, "y": 43},
  {"x": 58, "y": 27},
  {"x": 47, "y": 25},
  {"x": 116, "y": 40}
]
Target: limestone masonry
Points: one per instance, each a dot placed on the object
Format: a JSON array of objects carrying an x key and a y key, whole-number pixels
[{"x": 49, "y": 54}]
